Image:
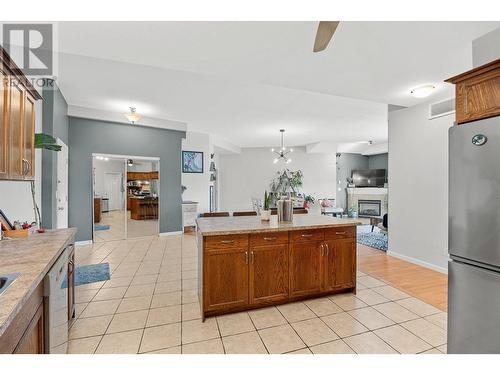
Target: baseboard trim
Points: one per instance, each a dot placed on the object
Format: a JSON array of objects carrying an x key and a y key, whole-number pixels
[
  {"x": 166, "y": 234},
  {"x": 419, "y": 262},
  {"x": 81, "y": 243}
]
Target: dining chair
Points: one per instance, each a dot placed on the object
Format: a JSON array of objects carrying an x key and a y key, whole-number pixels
[
  {"x": 245, "y": 213},
  {"x": 215, "y": 214}
]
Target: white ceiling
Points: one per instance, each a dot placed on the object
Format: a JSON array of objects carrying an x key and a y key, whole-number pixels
[
  {"x": 247, "y": 115},
  {"x": 242, "y": 81}
]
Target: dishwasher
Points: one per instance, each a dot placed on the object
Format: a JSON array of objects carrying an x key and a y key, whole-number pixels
[{"x": 56, "y": 306}]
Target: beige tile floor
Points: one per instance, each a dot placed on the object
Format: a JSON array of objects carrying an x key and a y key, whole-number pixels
[
  {"x": 116, "y": 221},
  {"x": 150, "y": 305}
]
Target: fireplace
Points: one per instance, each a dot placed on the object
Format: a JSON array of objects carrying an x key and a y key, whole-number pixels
[{"x": 369, "y": 207}]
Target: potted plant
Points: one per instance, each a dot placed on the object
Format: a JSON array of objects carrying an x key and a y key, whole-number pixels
[{"x": 265, "y": 214}]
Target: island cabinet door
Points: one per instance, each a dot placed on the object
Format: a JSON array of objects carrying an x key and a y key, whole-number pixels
[
  {"x": 268, "y": 274},
  {"x": 340, "y": 264},
  {"x": 225, "y": 278},
  {"x": 305, "y": 268}
]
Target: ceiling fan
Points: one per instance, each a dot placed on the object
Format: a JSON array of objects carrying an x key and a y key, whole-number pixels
[{"x": 324, "y": 34}]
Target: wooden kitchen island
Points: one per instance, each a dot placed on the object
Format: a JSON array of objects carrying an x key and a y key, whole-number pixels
[{"x": 245, "y": 263}]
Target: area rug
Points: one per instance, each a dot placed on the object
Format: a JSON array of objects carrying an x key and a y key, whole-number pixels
[
  {"x": 375, "y": 239},
  {"x": 101, "y": 227},
  {"x": 90, "y": 273}
]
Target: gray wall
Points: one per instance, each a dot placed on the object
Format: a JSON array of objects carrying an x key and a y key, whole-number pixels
[
  {"x": 92, "y": 136},
  {"x": 345, "y": 164},
  {"x": 486, "y": 48},
  {"x": 380, "y": 161},
  {"x": 419, "y": 145},
  {"x": 54, "y": 122}
]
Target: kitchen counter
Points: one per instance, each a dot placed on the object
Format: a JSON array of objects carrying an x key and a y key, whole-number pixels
[
  {"x": 212, "y": 226},
  {"x": 143, "y": 208},
  {"x": 32, "y": 257},
  {"x": 245, "y": 263}
]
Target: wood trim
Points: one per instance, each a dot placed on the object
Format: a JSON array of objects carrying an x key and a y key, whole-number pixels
[
  {"x": 480, "y": 70},
  {"x": 7, "y": 62}
]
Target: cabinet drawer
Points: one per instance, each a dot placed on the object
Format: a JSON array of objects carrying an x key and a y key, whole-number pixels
[
  {"x": 263, "y": 239},
  {"x": 307, "y": 235},
  {"x": 226, "y": 241},
  {"x": 340, "y": 232}
]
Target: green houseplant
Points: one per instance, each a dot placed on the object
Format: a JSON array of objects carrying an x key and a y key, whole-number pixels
[
  {"x": 44, "y": 142},
  {"x": 265, "y": 214},
  {"x": 286, "y": 183}
]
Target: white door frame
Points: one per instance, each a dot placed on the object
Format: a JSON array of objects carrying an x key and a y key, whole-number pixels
[
  {"x": 125, "y": 159},
  {"x": 64, "y": 152}
]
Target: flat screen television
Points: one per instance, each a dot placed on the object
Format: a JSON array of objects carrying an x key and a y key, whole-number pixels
[{"x": 368, "y": 177}]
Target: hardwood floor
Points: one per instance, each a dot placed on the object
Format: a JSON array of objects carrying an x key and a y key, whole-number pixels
[{"x": 420, "y": 282}]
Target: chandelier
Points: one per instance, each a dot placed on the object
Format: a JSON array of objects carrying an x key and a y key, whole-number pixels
[{"x": 282, "y": 152}]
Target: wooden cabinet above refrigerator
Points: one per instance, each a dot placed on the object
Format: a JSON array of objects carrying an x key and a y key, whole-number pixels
[{"x": 477, "y": 93}]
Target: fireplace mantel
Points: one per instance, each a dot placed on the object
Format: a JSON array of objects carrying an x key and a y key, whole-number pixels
[{"x": 367, "y": 191}]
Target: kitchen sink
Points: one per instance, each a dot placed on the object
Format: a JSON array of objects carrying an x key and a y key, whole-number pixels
[{"x": 7, "y": 280}]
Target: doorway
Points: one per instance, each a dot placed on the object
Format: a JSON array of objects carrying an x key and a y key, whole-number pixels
[
  {"x": 143, "y": 202},
  {"x": 126, "y": 197}
]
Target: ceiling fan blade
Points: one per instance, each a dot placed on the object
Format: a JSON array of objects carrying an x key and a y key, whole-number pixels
[{"x": 324, "y": 34}]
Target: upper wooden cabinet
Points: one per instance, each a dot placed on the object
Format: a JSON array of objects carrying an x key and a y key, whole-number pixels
[
  {"x": 477, "y": 93},
  {"x": 17, "y": 122},
  {"x": 134, "y": 176}
]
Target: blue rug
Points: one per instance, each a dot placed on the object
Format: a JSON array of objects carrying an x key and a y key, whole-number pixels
[
  {"x": 91, "y": 273},
  {"x": 101, "y": 227},
  {"x": 374, "y": 239}
]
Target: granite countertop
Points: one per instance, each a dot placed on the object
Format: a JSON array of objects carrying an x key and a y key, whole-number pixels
[
  {"x": 32, "y": 257},
  {"x": 212, "y": 226}
]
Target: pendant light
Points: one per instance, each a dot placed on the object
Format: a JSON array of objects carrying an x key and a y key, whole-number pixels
[{"x": 283, "y": 151}]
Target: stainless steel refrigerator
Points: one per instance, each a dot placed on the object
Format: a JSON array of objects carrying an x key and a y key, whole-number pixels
[{"x": 474, "y": 238}]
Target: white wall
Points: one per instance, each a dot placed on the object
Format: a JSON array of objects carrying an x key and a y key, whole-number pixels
[
  {"x": 101, "y": 167},
  {"x": 15, "y": 196},
  {"x": 142, "y": 166},
  {"x": 418, "y": 186},
  {"x": 197, "y": 183},
  {"x": 486, "y": 48},
  {"x": 247, "y": 175}
]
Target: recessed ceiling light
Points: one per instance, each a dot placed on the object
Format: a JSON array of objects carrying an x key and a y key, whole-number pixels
[{"x": 422, "y": 91}]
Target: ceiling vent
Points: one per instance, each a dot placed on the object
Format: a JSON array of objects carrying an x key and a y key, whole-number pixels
[{"x": 444, "y": 108}]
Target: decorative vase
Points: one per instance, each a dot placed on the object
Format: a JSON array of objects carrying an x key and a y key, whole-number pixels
[
  {"x": 265, "y": 215},
  {"x": 285, "y": 210}
]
